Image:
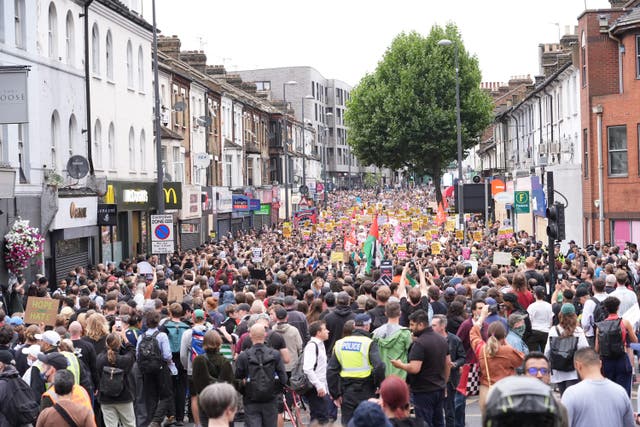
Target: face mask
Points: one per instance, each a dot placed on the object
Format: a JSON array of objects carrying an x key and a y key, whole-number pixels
[
  {"x": 29, "y": 362},
  {"x": 519, "y": 330}
]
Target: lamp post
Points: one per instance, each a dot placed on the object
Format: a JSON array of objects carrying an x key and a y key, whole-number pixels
[
  {"x": 304, "y": 142},
  {"x": 285, "y": 147},
  {"x": 326, "y": 163},
  {"x": 446, "y": 42}
]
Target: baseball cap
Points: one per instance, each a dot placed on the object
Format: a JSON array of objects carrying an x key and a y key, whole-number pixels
[
  {"x": 581, "y": 292},
  {"x": 362, "y": 319},
  {"x": 57, "y": 360},
  {"x": 281, "y": 313},
  {"x": 32, "y": 350},
  {"x": 50, "y": 337},
  {"x": 568, "y": 309},
  {"x": 198, "y": 314},
  {"x": 6, "y": 357},
  {"x": 16, "y": 321},
  {"x": 369, "y": 414},
  {"x": 461, "y": 290},
  {"x": 450, "y": 291}
]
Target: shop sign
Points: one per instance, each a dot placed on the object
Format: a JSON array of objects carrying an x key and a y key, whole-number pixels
[
  {"x": 135, "y": 196},
  {"x": 240, "y": 203},
  {"x": 206, "y": 196},
  {"x": 254, "y": 204},
  {"x": 191, "y": 202},
  {"x": 75, "y": 212},
  {"x": 223, "y": 200},
  {"x": 107, "y": 214},
  {"x": 13, "y": 96},
  {"x": 172, "y": 192},
  {"x": 264, "y": 210}
]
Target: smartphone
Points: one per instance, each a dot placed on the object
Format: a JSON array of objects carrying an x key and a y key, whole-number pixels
[
  {"x": 118, "y": 324},
  {"x": 560, "y": 276}
]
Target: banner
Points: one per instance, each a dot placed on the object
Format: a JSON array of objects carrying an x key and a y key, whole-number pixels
[
  {"x": 41, "y": 310},
  {"x": 402, "y": 251}
]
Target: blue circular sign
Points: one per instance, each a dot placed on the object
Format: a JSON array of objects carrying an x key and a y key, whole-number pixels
[{"x": 162, "y": 231}]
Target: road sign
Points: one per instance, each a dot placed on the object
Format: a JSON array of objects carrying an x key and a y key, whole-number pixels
[
  {"x": 162, "y": 234},
  {"x": 521, "y": 199}
]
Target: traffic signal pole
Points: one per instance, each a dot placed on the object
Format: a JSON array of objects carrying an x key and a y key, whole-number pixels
[{"x": 551, "y": 250}]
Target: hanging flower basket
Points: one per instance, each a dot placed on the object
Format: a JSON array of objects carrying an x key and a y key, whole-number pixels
[{"x": 21, "y": 244}]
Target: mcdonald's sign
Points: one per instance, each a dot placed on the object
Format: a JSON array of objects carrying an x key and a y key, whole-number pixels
[{"x": 172, "y": 192}]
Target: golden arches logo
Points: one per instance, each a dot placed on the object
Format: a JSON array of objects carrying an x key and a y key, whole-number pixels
[{"x": 168, "y": 192}]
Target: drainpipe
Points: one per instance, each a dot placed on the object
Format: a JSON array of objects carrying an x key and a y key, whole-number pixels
[
  {"x": 87, "y": 81},
  {"x": 550, "y": 119},
  {"x": 517, "y": 140},
  {"x": 620, "y": 53},
  {"x": 597, "y": 110}
]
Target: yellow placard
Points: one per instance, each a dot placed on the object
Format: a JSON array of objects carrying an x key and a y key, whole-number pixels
[
  {"x": 286, "y": 229},
  {"x": 459, "y": 234},
  {"x": 450, "y": 225},
  {"x": 477, "y": 236},
  {"x": 435, "y": 248},
  {"x": 337, "y": 256}
]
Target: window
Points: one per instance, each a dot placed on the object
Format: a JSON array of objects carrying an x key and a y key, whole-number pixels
[
  {"x": 638, "y": 57},
  {"x": 140, "y": 69},
  {"x": 2, "y": 22},
  {"x": 143, "y": 148},
  {"x": 109, "y": 55},
  {"x": 132, "y": 150},
  {"x": 262, "y": 86},
  {"x": 55, "y": 137},
  {"x": 22, "y": 153},
  {"x": 97, "y": 143},
  {"x": 95, "y": 50},
  {"x": 69, "y": 40},
  {"x": 178, "y": 165},
  {"x": 19, "y": 22},
  {"x": 111, "y": 146},
  {"x": 617, "y": 148},
  {"x": 228, "y": 159},
  {"x": 585, "y": 151},
  {"x": 249, "y": 172},
  {"x": 73, "y": 136},
  {"x": 52, "y": 29},
  {"x": 129, "y": 65},
  {"x": 583, "y": 59}
]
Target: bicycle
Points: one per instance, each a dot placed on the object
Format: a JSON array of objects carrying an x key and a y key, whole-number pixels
[{"x": 294, "y": 411}]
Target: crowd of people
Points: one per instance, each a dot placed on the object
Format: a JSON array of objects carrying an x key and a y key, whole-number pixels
[{"x": 400, "y": 336}]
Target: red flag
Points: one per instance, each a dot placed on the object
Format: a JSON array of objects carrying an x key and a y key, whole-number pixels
[
  {"x": 441, "y": 217},
  {"x": 373, "y": 231}
]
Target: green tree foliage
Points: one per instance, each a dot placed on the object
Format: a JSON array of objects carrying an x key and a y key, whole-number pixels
[{"x": 404, "y": 113}]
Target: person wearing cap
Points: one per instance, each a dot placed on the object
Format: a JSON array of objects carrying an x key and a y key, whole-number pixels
[
  {"x": 336, "y": 319},
  {"x": 51, "y": 364},
  {"x": 494, "y": 312},
  {"x": 8, "y": 376},
  {"x": 567, "y": 327},
  {"x": 69, "y": 400},
  {"x": 369, "y": 414},
  {"x": 511, "y": 305},
  {"x": 516, "y": 330},
  {"x": 355, "y": 369},
  {"x": 296, "y": 318}
]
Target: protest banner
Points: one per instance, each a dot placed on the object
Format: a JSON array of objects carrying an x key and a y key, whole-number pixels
[
  {"x": 41, "y": 310},
  {"x": 176, "y": 293}
]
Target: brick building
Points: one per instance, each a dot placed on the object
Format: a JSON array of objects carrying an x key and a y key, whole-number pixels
[{"x": 610, "y": 94}]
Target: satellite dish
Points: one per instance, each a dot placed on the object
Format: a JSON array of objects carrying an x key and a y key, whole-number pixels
[
  {"x": 77, "y": 167},
  {"x": 205, "y": 120},
  {"x": 179, "y": 106}
]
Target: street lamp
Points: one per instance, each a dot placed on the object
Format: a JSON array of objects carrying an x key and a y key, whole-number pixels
[
  {"x": 284, "y": 146},
  {"x": 304, "y": 128},
  {"x": 326, "y": 166},
  {"x": 446, "y": 42}
]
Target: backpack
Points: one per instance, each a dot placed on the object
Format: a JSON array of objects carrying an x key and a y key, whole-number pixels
[
  {"x": 112, "y": 381},
  {"x": 261, "y": 378},
  {"x": 562, "y": 351},
  {"x": 299, "y": 381},
  {"x": 175, "y": 331},
  {"x": 611, "y": 343},
  {"x": 20, "y": 407},
  {"x": 599, "y": 313},
  {"x": 149, "y": 355},
  {"x": 197, "y": 343}
]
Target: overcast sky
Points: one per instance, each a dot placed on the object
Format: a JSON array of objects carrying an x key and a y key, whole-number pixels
[{"x": 345, "y": 39}]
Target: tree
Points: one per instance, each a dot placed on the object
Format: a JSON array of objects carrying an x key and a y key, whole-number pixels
[{"x": 404, "y": 113}]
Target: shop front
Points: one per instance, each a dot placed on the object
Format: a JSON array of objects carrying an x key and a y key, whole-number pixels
[
  {"x": 223, "y": 209},
  {"x": 262, "y": 216},
  {"x": 206, "y": 224},
  {"x": 241, "y": 214},
  {"x": 190, "y": 217},
  {"x": 73, "y": 233}
]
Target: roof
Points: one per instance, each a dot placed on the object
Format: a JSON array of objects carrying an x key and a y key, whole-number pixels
[
  {"x": 166, "y": 133},
  {"x": 123, "y": 10},
  {"x": 631, "y": 18}
]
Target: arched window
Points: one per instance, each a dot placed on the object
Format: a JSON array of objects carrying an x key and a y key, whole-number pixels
[
  {"x": 109, "y": 54},
  {"x": 53, "y": 31},
  {"x": 70, "y": 42},
  {"x": 140, "y": 69},
  {"x": 132, "y": 150},
  {"x": 129, "y": 65},
  {"x": 97, "y": 143},
  {"x": 73, "y": 136},
  {"x": 95, "y": 50},
  {"x": 55, "y": 140},
  {"x": 111, "y": 145},
  {"x": 143, "y": 149}
]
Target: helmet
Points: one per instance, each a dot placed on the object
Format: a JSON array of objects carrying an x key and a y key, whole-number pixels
[{"x": 523, "y": 402}]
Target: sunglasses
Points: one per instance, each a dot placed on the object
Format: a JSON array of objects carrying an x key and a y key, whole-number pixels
[{"x": 535, "y": 371}]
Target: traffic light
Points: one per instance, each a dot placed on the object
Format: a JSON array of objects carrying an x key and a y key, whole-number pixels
[{"x": 555, "y": 224}]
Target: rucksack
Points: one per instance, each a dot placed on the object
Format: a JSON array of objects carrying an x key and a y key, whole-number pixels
[
  {"x": 299, "y": 381},
  {"x": 149, "y": 354},
  {"x": 610, "y": 340},
  {"x": 261, "y": 381},
  {"x": 599, "y": 313},
  {"x": 112, "y": 381},
  {"x": 197, "y": 343},
  {"x": 20, "y": 406},
  {"x": 175, "y": 331},
  {"x": 562, "y": 351}
]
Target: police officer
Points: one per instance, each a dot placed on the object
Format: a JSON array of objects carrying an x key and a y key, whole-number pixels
[{"x": 355, "y": 369}]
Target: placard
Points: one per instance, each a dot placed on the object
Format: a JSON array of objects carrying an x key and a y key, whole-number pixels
[
  {"x": 41, "y": 310},
  {"x": 505, "y": 233},
  {"x": 435, "y": 248},
  {"x": 176, "y": 293},
  {"x": 286, "y": 230},
  {"x": 502, "y": 258},
  {"x": 477, "y": 236},
  {"x": 402, "y": 251},
  {"x": 256, "y": 255},
  {"x": 337, "y": 256},
  {"x": 459, "y": 234}
]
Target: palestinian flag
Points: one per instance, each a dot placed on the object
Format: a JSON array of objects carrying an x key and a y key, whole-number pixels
[{"x": 372, "y": 247}]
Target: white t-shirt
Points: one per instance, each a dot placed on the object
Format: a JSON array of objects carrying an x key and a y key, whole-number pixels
[{"x": 541, "y": 315}]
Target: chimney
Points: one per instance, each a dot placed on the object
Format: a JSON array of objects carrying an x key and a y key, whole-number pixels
[
  {"x": 618, "y": 3},
  {"x": 539, "y": 80},
  {"x": 195, "y": 58},
  {"x": 215, "y": 70},
  {"x": 169, "y": 46}
]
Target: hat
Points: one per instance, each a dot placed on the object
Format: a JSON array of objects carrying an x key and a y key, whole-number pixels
[
  {"x": 198, "y": 314},
  {"x": 32, "y": 350},
  {"x": 369, "y": 414},
  {"x": 509, "y": 297},
  {"x": 568, "y": 308},
  {"x": 461, "y": 290},
  {"x": 50, "y": 337},
  {"x": 394, "y": 392},
  {"x": 281, "y": 313},
  {"x": 16, "y": 321},
  {"x": 490, "y": 301},
  {"x": 57, "y": 360},
  {"x": 362, "y": 319},
  {"x": 581, "y": 292},
  {"x": 186, "y": 307},
  {"x": 6, "y": 357},
  {"x": 450, "y": 291}
]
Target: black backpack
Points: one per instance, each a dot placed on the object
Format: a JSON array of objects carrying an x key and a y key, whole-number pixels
[
  {"x": 599, "y": 313},
  {"x": 149, "y": 354},
  {"x": 20, "y": 407},
  {"x": 261, "y": 378},
  {"x": 112, "y": 381},
  {"x": 610, "y": 340},
  {"x": 562, "y": 351}
]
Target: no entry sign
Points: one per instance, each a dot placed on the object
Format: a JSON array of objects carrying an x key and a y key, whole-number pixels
[{"x": 162, "y": 234}]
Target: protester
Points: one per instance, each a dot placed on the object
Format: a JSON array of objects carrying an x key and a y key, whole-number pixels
[
  {"x": 315, "y": 368},
  {"x": 219, "y": 403},
  {"x": 66, "y": 410}
]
